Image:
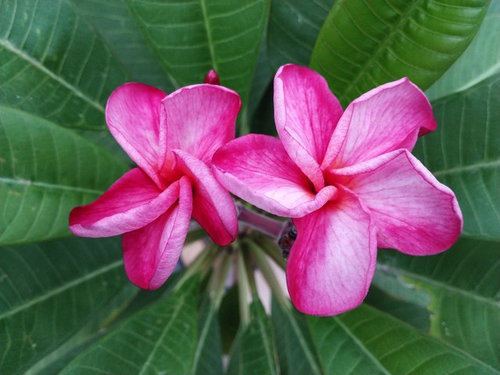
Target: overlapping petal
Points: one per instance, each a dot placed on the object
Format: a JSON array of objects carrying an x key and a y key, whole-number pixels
[
  {"x": 258, "y": 169},
  {"x": 130, "y": 203},
  {"x": 412, "y": 211},
  {"x": 151, "y": 253},
  {"x": 306, "y": 113},
  {"x": 332, "y": 262},
  {"x": 200, "y": 118},
  {"x": 385, "y": 119},
  {"x": 133, "y": 117},
  {"x": 213, "y": 206}
]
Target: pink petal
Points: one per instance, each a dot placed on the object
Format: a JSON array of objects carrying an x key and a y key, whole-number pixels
[
  {"x": 412, "y": 211},
  {"x": 213, "y": 206},
  {"x": 384, "y": 119},
  {"x": 200, "y": 119},
  {"x": 306, "y": 113},
  {"x": 130, "y": 203},
  {"x": 257, "y": 169},
  {"x": 151, "y": 253},
  {"x": 133, "y": 117},
  {"x": 332, "y": 262}
]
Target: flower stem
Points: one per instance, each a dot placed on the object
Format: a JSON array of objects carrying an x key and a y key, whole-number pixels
[
  {"x": 219, "y": 278},
  {"x": 262, "y": 223},
  {"x": 243, "y": 289},
  {"x": 266, "y": 270},
  {"x": 201, "y": 264},
  {"x": 272, "y": 250}
]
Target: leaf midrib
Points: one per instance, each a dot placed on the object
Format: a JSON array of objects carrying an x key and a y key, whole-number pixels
[
  {"x": 380, "y": 47},
  {"x": 467, "y": 168},
  {"x": 49, "y": 186},
  {"x": 178, "y": 307},
  {"x": 365, "y": 350},
  {"x": 208, "y": 28},
  {"x": 439, "y": 284},
  {"x": 267, "y": 345},
  {"x": 301, "y": 338},
  {"x": 202, "y": 338},
  {"x": 37, "y": 64},
  {"x": 62, "y": 289}
]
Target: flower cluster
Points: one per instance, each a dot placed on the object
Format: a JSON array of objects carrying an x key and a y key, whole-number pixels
[{"x": 346, "y": 178}]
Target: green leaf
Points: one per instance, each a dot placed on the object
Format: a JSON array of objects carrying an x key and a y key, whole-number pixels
[
  {"x": 97, "y": 325},
  {"x": 208, "y": 356},
  {"x": 366, "y": 43},
  {"x": 253, "y": 351},
  {"x": 114, "y": 21},
  {"x": 401, "y": 307},
  {"x": 50, "y": 291},
  {"x": 368, "y": 341},
  {"x": 463, "y": 285},
  {"x": 293, "y": 28},
  {"x": 192, "y": 37},
  {"x": 45, "y": 171},
  {"x": 479, "y": 61},
  {"x": 159, "y": 339},
  {"x": 229, "y": 318},
  {"x": 293, "y": 342},
  {"x": 55, "y": 65},
  {"x": 260, "y": 84},
  {"x": 464, "y": 154}
]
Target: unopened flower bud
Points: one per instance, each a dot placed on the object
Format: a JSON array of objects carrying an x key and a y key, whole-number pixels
[{"x": 212, "y": 78}]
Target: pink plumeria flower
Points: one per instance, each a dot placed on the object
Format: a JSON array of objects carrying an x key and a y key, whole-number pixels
[
  {"x": 171, "y": 139},
  {"x": 349, "y": 182}
]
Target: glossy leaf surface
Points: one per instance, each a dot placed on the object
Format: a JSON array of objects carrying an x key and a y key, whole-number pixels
[
  {"x": 480, "y": 61},
  {"x": 45, "y": 171},
  {"x": 293, "y": 343},
  {"x": 54, "y": 64},
  {"x": 114, "y": 21},
  {"x": 253, "y": 351},
  {"x": 159, "y": 339},
  {"x": 293, "y": 28},
  {"x": 49, "y": 291},
  {"x": 464, "y": 153},
  {"x": 366, "y": 43},
  {"x": 191, "y": 38},
  {"x": 208, "y": 355},
  {"x": 462, "y": 288},
  {"x": 367, "y": 341}
]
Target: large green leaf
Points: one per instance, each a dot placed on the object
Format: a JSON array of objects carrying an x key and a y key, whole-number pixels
[
  {"x": 50, "y": 291},
  {"x": 294, "y": 347},
  {"x": 293, "y": 28},
  {"x": 98, "y": 323},
  {"x": 366, "y": 43},
  {"x": 253, "y": 351},
  {"x": 479, "y": 61},
  {"x": 113, "y": 20},
  {"x": 463, "y": 286},
  {"x": 55, "y": 65},
  {"x": 45, "y": 171},
  {"x": 368, "y": 341},
  {"x": 208, "y": 356},
  {"x": 161, "y": 339},
  {"x": 464, "y": 153},
  {"x": 260, "y": 84},
  {"x": 405, "y": 309},
  {"x": 192, "y": 37}
]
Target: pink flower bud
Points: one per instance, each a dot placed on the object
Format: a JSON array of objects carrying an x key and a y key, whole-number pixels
[{"x": 212, "y": 78}]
